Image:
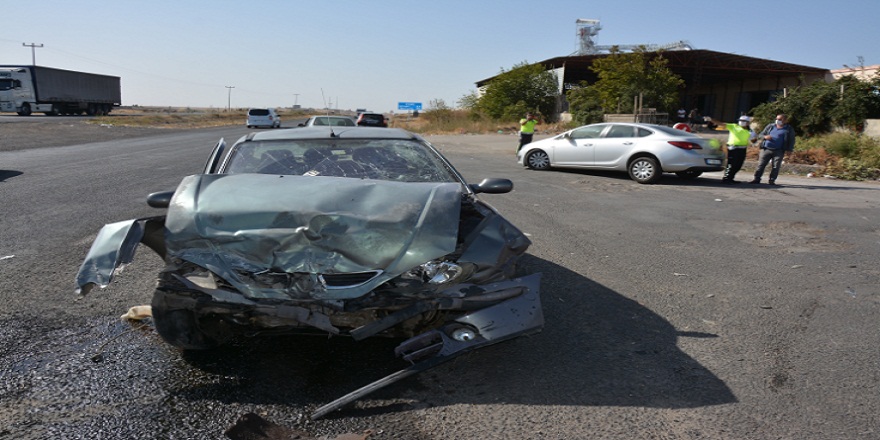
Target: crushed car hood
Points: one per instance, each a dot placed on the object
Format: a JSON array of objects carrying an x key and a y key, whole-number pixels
[{"x": 253, "y": 223}]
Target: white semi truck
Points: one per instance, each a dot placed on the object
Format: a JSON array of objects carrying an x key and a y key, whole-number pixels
[{"x": 29, "y": 89}]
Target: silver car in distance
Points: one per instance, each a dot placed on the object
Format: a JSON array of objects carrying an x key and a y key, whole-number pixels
[{"x": 645, "y": 151}]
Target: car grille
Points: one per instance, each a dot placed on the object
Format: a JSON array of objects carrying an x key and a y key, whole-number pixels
[{"x": 351, "y": 279}]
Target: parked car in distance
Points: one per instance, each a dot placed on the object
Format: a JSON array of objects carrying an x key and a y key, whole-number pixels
[
  {"x": 333, "y": 121},
  {"x": 645, "y": 151},
  {"x": 372, "y": 120},
  {"x": 362, "y": 232},
  {"x": 263, "y": 117}
]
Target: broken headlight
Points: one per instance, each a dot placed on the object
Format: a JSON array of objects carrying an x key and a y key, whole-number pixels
[
  {"x": 441, "y": 272},
  {"x": 437, "y": 272}
]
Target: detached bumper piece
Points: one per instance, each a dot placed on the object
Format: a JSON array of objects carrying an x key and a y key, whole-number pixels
[{"x": 515, "y": 317}]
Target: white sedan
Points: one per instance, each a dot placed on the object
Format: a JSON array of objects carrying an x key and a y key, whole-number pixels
[{"x": 645, "y": 151}]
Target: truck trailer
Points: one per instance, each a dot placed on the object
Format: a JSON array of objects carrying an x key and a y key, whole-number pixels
[{"x": 29, "y": 89}]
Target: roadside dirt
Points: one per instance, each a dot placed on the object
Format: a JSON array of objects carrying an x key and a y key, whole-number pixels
[{"x": 18, "y": 135}]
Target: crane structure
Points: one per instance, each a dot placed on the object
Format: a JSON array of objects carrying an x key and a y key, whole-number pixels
[{"x": 589, "y": 28}]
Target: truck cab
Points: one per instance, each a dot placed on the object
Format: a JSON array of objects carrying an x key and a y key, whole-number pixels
[{"x": 17, "y": 92}]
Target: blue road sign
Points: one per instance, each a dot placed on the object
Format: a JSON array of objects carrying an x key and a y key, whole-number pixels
[{"x": 409, "y": 105}]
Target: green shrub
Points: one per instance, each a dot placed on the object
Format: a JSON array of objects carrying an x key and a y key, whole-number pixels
[
  {"x": 845, "y": 155},
  {"x": 838, "y": 144},
  {"x": 851, "y": 169}
]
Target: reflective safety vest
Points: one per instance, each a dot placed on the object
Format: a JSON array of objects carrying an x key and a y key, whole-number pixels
[{"x": 526, "y": 126}]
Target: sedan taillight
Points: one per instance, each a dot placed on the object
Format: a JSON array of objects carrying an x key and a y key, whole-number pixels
[{"x": 686, "y": 145}]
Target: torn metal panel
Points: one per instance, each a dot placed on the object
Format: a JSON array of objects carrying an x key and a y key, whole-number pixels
[
  {"x": 114, "y": 247},
  {"x": 515, "y": 317}
]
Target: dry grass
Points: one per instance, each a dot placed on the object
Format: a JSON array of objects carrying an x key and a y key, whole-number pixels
[{"x": 175, "y": 117}]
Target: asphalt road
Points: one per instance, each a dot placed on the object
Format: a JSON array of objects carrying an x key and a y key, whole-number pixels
[{"x": 682, "y": 310}]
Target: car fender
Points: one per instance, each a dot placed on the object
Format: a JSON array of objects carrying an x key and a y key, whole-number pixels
[{"x": 114, "y": 248}]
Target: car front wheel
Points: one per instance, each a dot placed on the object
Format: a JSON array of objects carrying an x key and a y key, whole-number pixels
[
  {"x": 644, "y": 170},
  {"x": 182, "y": 328},
  {"x": 538, "y": 160}
]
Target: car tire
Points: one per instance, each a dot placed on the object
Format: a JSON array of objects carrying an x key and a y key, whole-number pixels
[
  {"x": 538, "y": 160},
  {"x": 689, "y": 175},
  {"x": 25, "y": 110},
  {"x": 644, "y": 170},
  {"x": 183, "y": 329}
]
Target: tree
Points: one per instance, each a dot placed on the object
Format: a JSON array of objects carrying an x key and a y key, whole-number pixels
[
  {"x": 584, "y": 105},
  {"x": 522, "y": 89},
  {"x": 438, "y": 112},
  {"x": 623, "y": 76},
  {"x": 819, "y": 107},
  {"x": 469, "y": 101}
]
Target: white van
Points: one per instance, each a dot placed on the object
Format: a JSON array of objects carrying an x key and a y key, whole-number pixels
[{"x": 263, "y": 117}]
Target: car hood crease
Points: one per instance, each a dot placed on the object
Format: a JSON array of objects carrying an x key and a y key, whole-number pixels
[{"x": 307, "y": 224}]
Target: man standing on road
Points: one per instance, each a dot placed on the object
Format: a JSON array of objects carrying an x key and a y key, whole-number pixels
[
  {"x": 526, "y": 130},
  {"x": 776, "y": 140},
  {"x": 737, "y": 142}
]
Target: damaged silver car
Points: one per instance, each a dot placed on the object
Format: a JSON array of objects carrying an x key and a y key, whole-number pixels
[{"x": 349, "y": 231}]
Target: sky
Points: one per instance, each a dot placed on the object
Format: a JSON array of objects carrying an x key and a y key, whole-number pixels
[{"x": 376, "y": 54}]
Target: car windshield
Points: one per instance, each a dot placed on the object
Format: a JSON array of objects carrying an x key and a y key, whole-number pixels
[{"x": 401, "y": 160}]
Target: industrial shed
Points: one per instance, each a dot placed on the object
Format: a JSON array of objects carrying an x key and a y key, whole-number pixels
[{"x": 719, "y": 84}]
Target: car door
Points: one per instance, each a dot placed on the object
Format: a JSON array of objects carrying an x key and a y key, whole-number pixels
[
  {"x": 613, "y": 149},
  {"x": 577, "y": 148},
  {"x": 214, "y": 159}
]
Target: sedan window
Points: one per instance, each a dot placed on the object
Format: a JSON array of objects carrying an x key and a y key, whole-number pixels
[
  {"x": 588, "y": 132},
  {"x": 620, "y": 131},
  {"x": 642, "y": 132}
]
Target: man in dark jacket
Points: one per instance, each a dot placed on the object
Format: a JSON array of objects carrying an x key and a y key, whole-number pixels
[{"x": 776, "y": 140}]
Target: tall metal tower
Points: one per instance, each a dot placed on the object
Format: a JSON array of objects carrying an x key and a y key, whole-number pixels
[
  {"x": 586, "y": 30},
  {"x": 589, "y": 28}
]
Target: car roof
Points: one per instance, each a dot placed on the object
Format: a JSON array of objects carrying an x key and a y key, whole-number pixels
[{"x": 321, "y": 132}]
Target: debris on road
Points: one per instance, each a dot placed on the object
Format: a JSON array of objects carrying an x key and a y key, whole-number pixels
[{"x": 137, "y": 313}]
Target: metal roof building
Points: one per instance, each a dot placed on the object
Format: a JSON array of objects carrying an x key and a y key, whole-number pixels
[{"x": 719, "y": 84}]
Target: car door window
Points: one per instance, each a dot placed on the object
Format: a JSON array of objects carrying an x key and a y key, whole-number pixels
[
  {"x": 641, "y": 132},
  {"x": 589, "y": 132},
  {"x": 620, "y": 131}
]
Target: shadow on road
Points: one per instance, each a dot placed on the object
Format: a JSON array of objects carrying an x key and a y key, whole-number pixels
[
  {"x": 597, "y": 348},
  {"x": 8, "y": 174}
]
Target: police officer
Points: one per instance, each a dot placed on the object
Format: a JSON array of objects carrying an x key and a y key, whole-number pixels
[
  {"x": 741, "y": 135},
  {"x": 526, "y": 130}
]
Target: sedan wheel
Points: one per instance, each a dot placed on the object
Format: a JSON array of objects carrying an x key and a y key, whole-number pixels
[
  {"x": 644, "y": 170},
  {"x": 538, "y": 160},
  {"x": 183, "y": 329}
]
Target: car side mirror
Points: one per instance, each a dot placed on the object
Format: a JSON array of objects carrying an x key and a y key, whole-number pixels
[
  {"x": 301, "y": 124},
  {"x": 493, "y": 186},
  {"x": 160, "y": 199}
]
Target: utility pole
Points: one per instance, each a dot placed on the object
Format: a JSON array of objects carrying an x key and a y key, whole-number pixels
[
  {"x": 33, "y": 51},
  {"x": 229, "y": 98}
]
